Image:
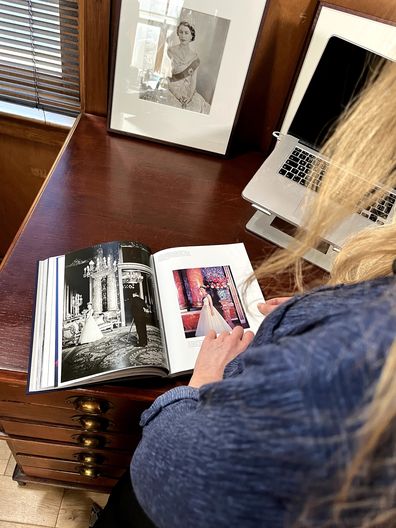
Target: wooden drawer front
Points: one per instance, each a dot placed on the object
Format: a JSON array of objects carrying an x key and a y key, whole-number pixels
[
  {"x": 68, "y": 465},
  {"x": 112, "y": 420},
  {"x": 68, "y": 476},
  {"x": 70, "y": 435},
  {"x": 121, "y": 398},
  {"x": 67, "y": 452}
]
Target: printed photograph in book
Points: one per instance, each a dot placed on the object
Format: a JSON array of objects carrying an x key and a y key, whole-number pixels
[
  {"x": 208, "y": 300},
  {"x": 109, "y": 317}
]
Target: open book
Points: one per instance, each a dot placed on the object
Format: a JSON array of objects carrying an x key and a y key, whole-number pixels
[{"x": 116, "y": 311}]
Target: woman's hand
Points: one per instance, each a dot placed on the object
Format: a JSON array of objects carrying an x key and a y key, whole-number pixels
[
  {"x": 216, "y": 352},
  {"x": 271, "y": 304}
]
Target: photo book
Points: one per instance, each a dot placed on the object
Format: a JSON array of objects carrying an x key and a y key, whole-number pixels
[{"x": 116, "y": 311}]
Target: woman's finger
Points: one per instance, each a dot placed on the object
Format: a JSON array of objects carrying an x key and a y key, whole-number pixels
[
  {"x": 271, "y": 304},
  {"x": 210, "y": 336},
  {"x": 248, "y": 336}
]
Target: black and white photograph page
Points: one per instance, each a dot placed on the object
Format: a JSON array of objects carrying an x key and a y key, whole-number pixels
[
  {"x": 109, "y": 315},
  {"x": 96, "y": 317},
  {"x": 201, "y": 289},
  {"x": 174, "y": 74}
]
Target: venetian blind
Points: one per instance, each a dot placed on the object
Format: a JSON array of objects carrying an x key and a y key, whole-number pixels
[{"x": 39, "y": 54}]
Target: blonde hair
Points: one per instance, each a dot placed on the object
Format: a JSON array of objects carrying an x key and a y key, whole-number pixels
[{"x": 364, "y": 145}]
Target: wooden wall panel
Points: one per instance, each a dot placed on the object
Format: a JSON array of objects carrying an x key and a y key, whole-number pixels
[
  {"x": 286, "y": 31},
  {"x": 27, "y": 153},
  {"x": 95, "y": 28},
  {"x": 281, "y": 42}
]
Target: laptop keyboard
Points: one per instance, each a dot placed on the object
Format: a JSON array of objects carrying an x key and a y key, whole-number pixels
[{"x": 307, "y": 169}]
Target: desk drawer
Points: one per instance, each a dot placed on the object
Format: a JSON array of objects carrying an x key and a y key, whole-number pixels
[
  {"x": 143, "y": 395},
  {"x": 123, "y": 420},
  {"x": 70, "y": 435},
  {"x": 69, "y": 476},
  {"x": 55, "y": 464},
  {"x": 72, "y": 453}
]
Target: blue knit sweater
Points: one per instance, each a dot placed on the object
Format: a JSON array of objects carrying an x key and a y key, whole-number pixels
[{"x": 248, "y": 451}]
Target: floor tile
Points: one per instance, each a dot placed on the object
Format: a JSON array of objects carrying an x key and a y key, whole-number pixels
[
  {"x": 4, "y": 456},
  {"x": 76, "y": 508},
  {"x": 9, "y": 470},
  {"x": 6, "y": 524},
  {"x": 99, "y": 498},
  {"x": 34, "y": 504}
]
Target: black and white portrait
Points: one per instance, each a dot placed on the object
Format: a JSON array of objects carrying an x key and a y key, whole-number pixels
[
  {"x": 179, "y": 59},
  {"x": 179, "y": 69},
  {"x": 109, "y": 317}
]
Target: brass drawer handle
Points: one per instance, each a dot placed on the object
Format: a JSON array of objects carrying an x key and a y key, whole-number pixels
[
  {"x": 90, "y": 441},
  {"x": 89, "y": 459},
  {"x": 88, "y": 471},
  {"x": 89, "y": 405},
  {"x": 92, "y": 424}
]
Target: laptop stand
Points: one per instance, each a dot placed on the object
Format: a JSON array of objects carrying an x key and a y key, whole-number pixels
[{"x": 267, "y": 225}]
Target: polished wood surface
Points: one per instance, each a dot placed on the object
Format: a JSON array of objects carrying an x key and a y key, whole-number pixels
[
  {"x": 105, "y": 187},
  {"x": 108, "y": 187}
]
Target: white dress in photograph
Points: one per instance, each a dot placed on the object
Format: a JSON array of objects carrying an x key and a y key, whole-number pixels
[
  {"x": 179, "y": 90},
  {"x": 207, "y": 321},
  {"x": 91, "y": 331}
]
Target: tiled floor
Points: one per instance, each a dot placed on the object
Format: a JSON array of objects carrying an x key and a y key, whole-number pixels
[{"x": 34, "y": 506}]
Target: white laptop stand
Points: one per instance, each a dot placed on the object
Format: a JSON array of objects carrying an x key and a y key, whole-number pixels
[{"x": 267, "y": 225}]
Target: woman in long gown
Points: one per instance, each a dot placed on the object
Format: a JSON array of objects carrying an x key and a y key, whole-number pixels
[
  {"x": 210, "y": 318},
  {"x": 91, "y": 331},
  {"x": 185, "y": 64},
  {"x": 181, "y": 86}
]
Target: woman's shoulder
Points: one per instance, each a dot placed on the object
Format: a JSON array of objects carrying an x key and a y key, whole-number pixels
[
  {"x": 331, "y": 305},
  {"x": 325, "y": 334},
  {"x": 172, "y": 49},
  {"x": 174, "y": 52}
]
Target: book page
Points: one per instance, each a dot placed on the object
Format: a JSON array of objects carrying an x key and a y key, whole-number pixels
[
  {"x": 109, "y": 318},
  {"x": 201, "y": 288},
  {"x": 50, "y": 330},
  {"x": 36, "y": 360}
]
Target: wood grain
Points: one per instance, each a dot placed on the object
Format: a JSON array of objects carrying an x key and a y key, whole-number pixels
[
  {"x": 94, "y": 34},
  {"x": 107, "y": 187},
  {"x": 28, "y": 150}
]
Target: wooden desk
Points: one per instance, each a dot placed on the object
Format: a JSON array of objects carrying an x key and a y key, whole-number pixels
[{"x": 105, "y": 187}]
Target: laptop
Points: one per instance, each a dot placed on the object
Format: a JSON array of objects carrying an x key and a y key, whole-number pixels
[{"x": 278, "y": 191}]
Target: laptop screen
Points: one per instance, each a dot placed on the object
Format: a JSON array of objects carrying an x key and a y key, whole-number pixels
[{"x": 338, "y": 78}]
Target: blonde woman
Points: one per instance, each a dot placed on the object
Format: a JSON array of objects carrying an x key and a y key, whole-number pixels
[{"x": 295, "y": 427}]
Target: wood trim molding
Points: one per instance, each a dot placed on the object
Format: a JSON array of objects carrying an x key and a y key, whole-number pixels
[{"x": 32, "y": 130}]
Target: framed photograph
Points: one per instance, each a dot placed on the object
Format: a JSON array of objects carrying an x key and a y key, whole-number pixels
[{"x": 179, "y": 69}]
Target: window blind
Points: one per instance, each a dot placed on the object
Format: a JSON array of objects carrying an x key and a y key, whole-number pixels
[{"x": 39, "y": 54}]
